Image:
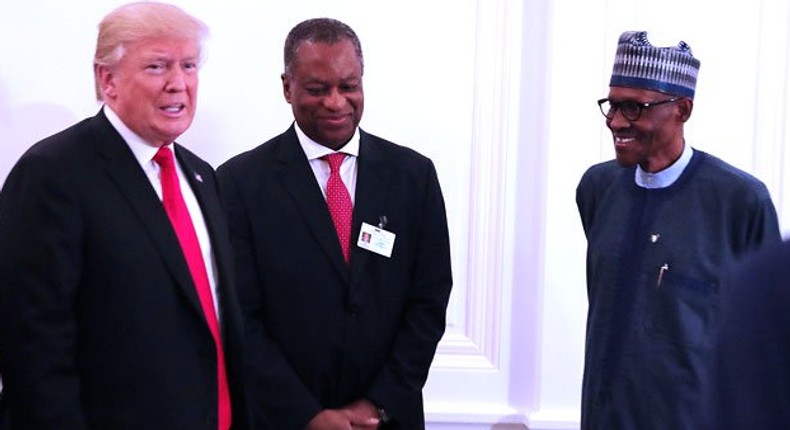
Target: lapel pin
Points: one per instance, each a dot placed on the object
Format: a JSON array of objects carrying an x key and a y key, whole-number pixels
[
  {"x": 654, "y": 237},
  {"x": 198, "y": 177}
]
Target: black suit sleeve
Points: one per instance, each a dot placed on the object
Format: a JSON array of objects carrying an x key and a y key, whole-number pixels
[
  {"x": 269, "y": 375},
  {"x": 40, "y": 266},
  {"x": 749, "y": 387},
  {"x": 398, "y": 385}
]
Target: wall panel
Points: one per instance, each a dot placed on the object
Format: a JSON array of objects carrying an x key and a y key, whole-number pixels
[{"x": 501, "y": 95}]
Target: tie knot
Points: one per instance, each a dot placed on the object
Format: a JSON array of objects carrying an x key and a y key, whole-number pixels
[
  {"x": 164, "y": 157},
  {"x": 334, "y": 160}
]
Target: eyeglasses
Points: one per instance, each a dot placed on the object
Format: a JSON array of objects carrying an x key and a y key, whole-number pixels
[{"x": 630, "y": 109}]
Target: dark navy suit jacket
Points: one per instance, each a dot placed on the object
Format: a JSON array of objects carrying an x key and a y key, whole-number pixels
[
  {"x": 321, "y": 334},
  {"x": 751, "y": 359},
  {"x": 100, "y": 323}
]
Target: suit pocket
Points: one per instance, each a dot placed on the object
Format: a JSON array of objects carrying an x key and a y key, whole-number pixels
[{"x": 681, "y": 310}]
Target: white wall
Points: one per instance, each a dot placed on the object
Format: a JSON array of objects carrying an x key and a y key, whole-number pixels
[
  {"x": 501, "y": 95},
  {"x": 740, "y": 115}
]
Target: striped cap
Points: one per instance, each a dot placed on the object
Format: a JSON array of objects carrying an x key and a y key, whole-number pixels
[{"x": 638, "y": 64}]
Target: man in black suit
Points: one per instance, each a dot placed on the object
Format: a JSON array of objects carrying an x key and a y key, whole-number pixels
[
  {"x": 340, "y": 332},
  {"x": 749, "y": 371},
  {"x": 115, "y": 314}
]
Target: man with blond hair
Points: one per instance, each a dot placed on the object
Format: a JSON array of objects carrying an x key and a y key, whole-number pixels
[{"x": 116, "y": 302}]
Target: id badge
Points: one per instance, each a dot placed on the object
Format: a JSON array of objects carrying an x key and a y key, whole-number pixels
[{"x": 376, "y": 240}]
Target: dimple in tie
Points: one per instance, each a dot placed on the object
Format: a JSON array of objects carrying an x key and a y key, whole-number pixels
[
  {"x": 178, "y": 213},
  {"x": 339, "y": 201}
]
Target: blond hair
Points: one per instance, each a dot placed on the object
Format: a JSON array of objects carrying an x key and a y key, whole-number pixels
[{"x": 136, "y": 21}]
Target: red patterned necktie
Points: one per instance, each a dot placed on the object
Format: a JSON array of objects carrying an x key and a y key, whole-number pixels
[
  {"x": 339, "y": 201},
  {"x": 182, "y": 223}
]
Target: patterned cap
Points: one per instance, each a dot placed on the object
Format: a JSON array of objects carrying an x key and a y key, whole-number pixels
[{"x": 638, "y": 64}]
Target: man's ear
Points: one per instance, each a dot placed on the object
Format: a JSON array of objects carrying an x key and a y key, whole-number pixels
[
  {"x": 286, "y": 87},
  {"x": 107, "y": 82},
  {"x": 685, "y": 106}
]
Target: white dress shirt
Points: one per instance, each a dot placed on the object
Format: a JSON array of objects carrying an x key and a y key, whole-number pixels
[
  {"x": 144, "y": 153},
  {"x": 348, "y": 170},
  {"x": 667, "y": 176}
]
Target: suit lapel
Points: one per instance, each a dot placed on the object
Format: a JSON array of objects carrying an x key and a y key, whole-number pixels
[
  {"x": 203, "y": 185},
  {"x": 201, "y": 180},
  {"x": 125, "y": 172},
  {"x": 373, "y": 175},
  {"x": 299, "y": 181}
]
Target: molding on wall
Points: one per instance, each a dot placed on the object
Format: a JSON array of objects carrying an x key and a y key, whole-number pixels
[
  {"x": 554, "y": 419},
  {"x": 477, "y": 416},
  {"x": 473, "y": 415},
  {"x": 498, "y": 42},
  {"x": 772, "y": 112}
]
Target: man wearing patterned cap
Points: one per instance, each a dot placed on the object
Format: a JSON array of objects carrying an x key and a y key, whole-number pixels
[{"x": 662, "y": 221}]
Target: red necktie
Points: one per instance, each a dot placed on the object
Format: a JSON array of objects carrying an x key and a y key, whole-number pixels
[
  {"x": 182, "y": 223},
  {"x": 339, "y": 201}
]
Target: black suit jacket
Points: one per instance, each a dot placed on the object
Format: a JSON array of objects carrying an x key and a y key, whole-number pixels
[
  {"x": 750, "y": 363},
  {"x": 321, "y": 335},
  {"x": 101, "y": 326}
]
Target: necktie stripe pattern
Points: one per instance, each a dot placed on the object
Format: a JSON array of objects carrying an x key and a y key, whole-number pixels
[
  {"x": 339, "y": 202},
  {"x": 178, "y": 213}
]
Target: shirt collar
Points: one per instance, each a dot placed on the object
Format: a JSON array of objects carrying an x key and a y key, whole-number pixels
[
  {"x": 142, "y": 151},
  {"x": 667, "y": 176},
  {"x": 315, "y": 150}
]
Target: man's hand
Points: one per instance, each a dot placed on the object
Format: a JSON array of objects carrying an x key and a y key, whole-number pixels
[
  {"x": 366, "y": 415},
  {"x": 352, "y": 417}
]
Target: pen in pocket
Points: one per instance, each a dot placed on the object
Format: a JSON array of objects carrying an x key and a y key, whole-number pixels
[{"x": 661, "y": 271}]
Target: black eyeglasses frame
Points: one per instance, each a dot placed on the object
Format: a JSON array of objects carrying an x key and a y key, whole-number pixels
[{"x": 630, "y": 106}]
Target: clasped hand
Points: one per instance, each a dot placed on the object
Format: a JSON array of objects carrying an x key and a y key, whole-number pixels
[{"x": 360, "y": 415}]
